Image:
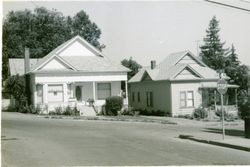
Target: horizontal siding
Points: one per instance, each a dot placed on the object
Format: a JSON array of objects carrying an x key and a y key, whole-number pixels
[
  {"x": 176, "y": 88},
  {"x": 161, "y": 95}
]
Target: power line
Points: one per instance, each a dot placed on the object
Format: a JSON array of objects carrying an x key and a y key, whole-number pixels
[{"x": 227, "y": 5}]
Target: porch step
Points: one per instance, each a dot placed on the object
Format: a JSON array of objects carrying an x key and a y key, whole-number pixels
[{"x": 86, "y": 110}]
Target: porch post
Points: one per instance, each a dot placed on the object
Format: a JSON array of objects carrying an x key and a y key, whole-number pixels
[
  {"x": 45, "y": 93},
  {"x": 215, "y": 100},
  {"x": 35, "y": 94},
  {"x": 236, "y": 98},
  {"x": 65, "y": 93},
  {"x": 126, "y": 89},
  {"x": 94, "y": 94},
  {"x": 73, "y": 90}
]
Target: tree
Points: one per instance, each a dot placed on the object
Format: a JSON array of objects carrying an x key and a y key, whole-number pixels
[
  {"x": 238, "y": 73},
  {"x": 15, "y": 85},
  {"x": 212, "y": 52},
  {"x": 132, "y": 65},
  {"x": 233, "y": 57},
  {"x": 81, "y": 25},
  {"x": 42, "y": 30}
]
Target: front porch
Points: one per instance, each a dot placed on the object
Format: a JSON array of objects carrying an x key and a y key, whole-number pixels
[
  {"x": 212, "y": 102},
  {"x": 78, "y": 94}
]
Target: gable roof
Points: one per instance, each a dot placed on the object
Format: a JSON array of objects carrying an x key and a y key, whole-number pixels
[
  {"x": 169, "y": 68},
  {"x": 97, "y": 63}
]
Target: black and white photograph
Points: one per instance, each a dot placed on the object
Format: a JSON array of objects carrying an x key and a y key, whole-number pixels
[{"x": 125, "y": 83}]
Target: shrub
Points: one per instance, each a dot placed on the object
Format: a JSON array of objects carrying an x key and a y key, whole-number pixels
[
  {"x": 113, "y": 104},
  {"x": 71, "y": 111},
  {"x": 58, "y": 110},
  {"x": 245, "y": 108},
  {"x": 67, "y": 111},
  {"x": 15, "y": 85},
  {"x": 130, "y": 111},
  {"x": 200, "y": 113},
  {"x": 154, "y": 112},
  {"x": 186, "y": 116}
]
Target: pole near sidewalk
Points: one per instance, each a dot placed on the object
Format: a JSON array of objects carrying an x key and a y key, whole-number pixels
[
  {"x": 222, "y": 117},
  {"x": 222, "y": 89}
]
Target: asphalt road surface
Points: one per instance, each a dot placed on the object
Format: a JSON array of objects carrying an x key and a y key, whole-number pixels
[{"x": 28, "y": 140}]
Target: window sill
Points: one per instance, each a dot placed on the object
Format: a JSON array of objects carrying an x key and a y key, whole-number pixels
[{"x": 187, "y": 107}]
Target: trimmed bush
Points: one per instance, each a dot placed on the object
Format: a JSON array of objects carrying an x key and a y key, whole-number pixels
[
  {"x": 113, "y": 105},
  {"x": 200, "y": 113}
]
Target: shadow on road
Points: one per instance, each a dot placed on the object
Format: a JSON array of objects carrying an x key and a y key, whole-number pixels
[{"x": 230, "y": 132}]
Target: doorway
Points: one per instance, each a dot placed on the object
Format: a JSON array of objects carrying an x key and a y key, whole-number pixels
[{"x": 79, "y": 93}]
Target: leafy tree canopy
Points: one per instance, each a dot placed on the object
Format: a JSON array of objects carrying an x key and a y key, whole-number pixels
[
  {"x": 132, "y": 65},
  {"x": 42, "y": 30}
]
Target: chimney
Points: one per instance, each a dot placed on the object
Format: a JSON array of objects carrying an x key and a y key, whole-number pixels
[
  {"x": 153, "y": 64},
  {"x": 26, "y": 60}
]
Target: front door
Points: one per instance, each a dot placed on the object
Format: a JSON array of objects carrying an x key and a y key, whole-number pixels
[{"x": 78, "y": 93}]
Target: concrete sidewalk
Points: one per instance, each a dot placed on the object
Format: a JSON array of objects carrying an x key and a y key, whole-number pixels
[{"x": 239, "y": 143}]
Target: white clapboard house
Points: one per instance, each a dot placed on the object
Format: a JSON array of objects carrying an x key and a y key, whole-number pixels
[
  {"x": 177, "y": 85},
  {"x": 72, "y": 73}
]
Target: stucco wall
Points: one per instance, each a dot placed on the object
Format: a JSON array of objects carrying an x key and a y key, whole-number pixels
[
  {"x": 161, "y": 95},
  {"x": 176, "y": 88}
]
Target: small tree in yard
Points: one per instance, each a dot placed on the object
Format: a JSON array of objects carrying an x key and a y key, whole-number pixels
[
  {"x": 15, "y": 85},
  {"x": 113, "y": 105}
]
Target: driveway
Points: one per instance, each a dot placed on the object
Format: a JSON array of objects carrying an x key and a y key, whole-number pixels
[{"x": 29, "y": 140}]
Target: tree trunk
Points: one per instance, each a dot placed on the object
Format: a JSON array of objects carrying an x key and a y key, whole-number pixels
[{"x": 247, "y": 127}]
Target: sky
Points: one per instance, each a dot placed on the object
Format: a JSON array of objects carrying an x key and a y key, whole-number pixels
[{"x": 150, "y": 30}]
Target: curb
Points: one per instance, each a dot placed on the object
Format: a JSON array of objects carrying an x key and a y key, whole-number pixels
[
  {"x": 90, "y": 118},
  {"x": 217, "y": 143}
]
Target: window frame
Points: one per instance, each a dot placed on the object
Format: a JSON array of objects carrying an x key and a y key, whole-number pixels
[
  {"x": 186, "y": 99},
  {"x": 149, "y": 99},
  {"x": 55, "y": 92},
  {"x": 133, "y": 96},
  {"x": 138, "y": 97},
  {"x": 37, "y": 94},
  {"x": 98, "y": 89}
]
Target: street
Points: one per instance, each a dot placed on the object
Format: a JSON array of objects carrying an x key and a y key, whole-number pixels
[{"x": 29, "y": 140}]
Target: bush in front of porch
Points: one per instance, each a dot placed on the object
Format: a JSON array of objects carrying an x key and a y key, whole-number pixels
[{"x": 113, "y": 105}]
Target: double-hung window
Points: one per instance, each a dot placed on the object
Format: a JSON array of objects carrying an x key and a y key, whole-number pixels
[
  {"x": 103, "y": 90},
  {"x": 149, "y": 96},
  {"x": 186, "y": 99},
  {"x": 133, "y": 96},
  {"x": 39, "y": 90},
  {"x": 138, "y": 97}
]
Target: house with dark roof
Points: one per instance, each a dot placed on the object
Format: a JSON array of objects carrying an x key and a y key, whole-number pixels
[
  {"x": 177, "y": 85},
  {"x": 73, "y": 73}
]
